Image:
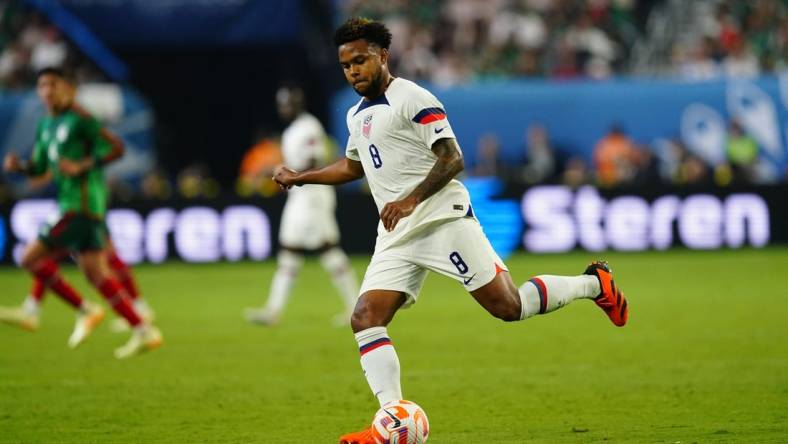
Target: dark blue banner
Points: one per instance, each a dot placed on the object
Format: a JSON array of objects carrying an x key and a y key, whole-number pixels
[
  {"x": 185, "y": 23},
  {"x": 540, "y": 219}
]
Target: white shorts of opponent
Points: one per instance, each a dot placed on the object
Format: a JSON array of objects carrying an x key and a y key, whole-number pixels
[{"x": 456, "y": 248}]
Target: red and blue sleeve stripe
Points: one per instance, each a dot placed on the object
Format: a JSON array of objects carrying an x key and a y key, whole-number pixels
[{"x": 429, "y": 115}]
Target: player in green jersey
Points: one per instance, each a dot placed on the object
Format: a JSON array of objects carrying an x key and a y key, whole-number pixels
[
  {"x": 73, "y": 146},
  {"x": 26, "y": 315}
]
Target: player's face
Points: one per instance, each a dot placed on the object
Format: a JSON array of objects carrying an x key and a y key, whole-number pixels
[
  {"x": 68, "y": 92},
  {"x": 363, "y": 66},
  {"x": 286, "y": 110},
  {"x": 287, "y": 103},
  {"x": 47, "y": 88},
  {"x": 54, "y": 92}
]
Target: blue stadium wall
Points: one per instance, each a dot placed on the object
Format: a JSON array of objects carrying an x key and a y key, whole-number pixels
[{"x": 577, "y": 114}]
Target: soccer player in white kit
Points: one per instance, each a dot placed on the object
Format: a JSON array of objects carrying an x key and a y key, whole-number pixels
[
  {"x": 401, "y": 140},
  {"x": 308, "y": 223}
]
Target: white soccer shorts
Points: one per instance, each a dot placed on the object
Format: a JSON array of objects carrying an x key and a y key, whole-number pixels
[{"x": 456, "y": 248}]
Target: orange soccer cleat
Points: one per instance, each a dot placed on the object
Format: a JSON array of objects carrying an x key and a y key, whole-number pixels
[
  {"x": 363, "y": 437},
  {"x": 611, "y": 300}
]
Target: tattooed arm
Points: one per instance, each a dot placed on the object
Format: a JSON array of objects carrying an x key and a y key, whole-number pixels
[{"x": 448, "y": 165}]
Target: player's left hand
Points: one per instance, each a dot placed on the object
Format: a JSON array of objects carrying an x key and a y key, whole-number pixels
[{"x": 394, "y": 211}]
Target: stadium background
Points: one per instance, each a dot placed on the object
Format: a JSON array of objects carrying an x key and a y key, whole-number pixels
[
  {"x": 535, "y": 90},
  {"x": 589, "y": 127}
]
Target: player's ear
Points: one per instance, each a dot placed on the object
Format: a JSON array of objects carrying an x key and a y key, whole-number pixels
[{"x": 384, "y": 55}]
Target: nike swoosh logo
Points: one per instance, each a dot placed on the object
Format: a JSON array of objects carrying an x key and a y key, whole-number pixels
[
  {"x": 468, "y": 281},
  {"x": 396, "y": 420},
  {"x": 441, "y": 129}
]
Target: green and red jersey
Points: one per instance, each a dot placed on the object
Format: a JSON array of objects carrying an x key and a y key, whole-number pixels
[{"x": 73, "y": 135}]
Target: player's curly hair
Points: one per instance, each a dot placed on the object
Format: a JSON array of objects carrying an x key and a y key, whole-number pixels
[{"x": 363, "y": 28}]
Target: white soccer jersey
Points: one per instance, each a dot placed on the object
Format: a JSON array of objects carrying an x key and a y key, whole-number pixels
[
  {"x": 392, "y": 137},
  {"x": 308, "y": 220},
  {"x": 303, "y": 143}
]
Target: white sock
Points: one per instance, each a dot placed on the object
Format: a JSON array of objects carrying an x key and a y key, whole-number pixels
[
  {"x": 31, "y": 306},
  {"x": 289, "y": 264},
  {"x": 337, "y": 264},
  {"x": 380, "y": 364},
  {"x": 545, "y": 293},
  {"x": 141, "y": 306}
]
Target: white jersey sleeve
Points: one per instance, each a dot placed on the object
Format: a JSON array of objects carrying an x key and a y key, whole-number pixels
[{"x": 427, "y": 116}]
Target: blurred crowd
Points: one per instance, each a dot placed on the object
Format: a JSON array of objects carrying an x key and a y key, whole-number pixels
[
  {"x": 734, "y": 38},
  {"x": 616, "y": 161},
  {"x": 619, "y": 161},
  {"x": 451, "y": 42},
  {"x": 28, "y": 43}
]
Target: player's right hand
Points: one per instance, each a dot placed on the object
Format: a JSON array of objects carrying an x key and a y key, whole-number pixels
[
  {"x": 285, "y": 177},
  {"x": 11, "y": 163}
]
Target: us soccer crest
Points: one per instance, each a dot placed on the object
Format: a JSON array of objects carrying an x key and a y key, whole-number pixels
[{"x": 367, "y": 126}]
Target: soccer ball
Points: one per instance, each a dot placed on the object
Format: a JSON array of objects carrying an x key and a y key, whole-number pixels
[{"x": 400, "y": 422}]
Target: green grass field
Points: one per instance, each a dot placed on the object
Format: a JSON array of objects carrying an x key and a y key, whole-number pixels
[{"x": 703, "y": 359}]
